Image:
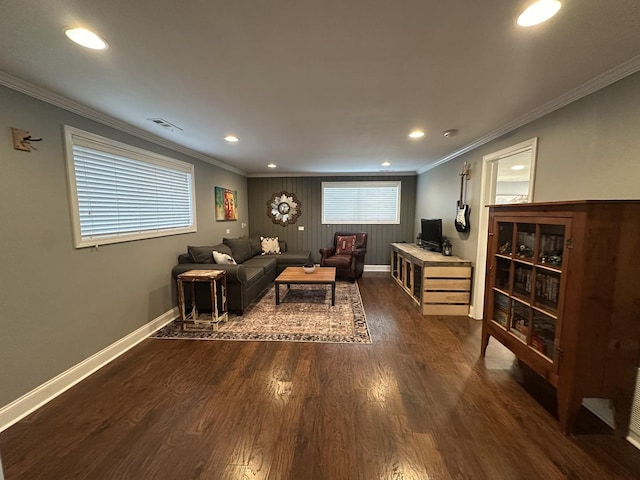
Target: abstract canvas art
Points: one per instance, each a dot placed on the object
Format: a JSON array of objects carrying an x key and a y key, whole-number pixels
[{"x": 226, "y": 204}]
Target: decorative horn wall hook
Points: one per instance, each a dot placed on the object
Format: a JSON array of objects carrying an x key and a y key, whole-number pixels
[{"x": 22, "y": 139}]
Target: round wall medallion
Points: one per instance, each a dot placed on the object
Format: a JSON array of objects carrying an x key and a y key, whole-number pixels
[{"x": 283, "y": 208}]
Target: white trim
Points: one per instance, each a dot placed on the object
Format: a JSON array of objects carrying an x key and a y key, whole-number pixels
[
  {"x": 332, "y": 174},
  {"x": 487, "y": 191},
  {"x": 31, "y": 401},
  {"x": 633, "y": 441},
  {"x": 377, "y": 268},
  {"x": 597, "y": 83},
  {"x": 39, "y": 93}
]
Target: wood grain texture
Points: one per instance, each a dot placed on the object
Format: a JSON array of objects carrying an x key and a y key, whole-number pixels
[{"x": 418, "y": 403}]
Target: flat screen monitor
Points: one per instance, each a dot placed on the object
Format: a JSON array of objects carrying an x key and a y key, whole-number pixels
[{"x": 431, "y": 234}]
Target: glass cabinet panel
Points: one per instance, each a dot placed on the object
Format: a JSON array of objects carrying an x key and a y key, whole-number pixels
[
  {"x": 505, "y": 238},
  {"x": 522, "y": 276},
  {"x": 547, "y": 289},
  {"x": 500, "y": 308},
  {"x": 551, "y": 245},
  {"x": 543, "y": 334},
  {"x": 503, "y": 271},
  {"x": 525, "y": 241},
  {"x": 519, "y": 324}
]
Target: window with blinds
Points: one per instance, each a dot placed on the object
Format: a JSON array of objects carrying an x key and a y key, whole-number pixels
[
  {"x": 120, "y": 193},
  {"x": 361, "y": 202}
]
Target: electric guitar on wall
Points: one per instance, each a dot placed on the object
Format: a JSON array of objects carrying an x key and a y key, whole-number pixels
[{"x": 462, "y": 210}]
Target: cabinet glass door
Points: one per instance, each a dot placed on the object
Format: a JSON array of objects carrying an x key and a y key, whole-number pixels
[{"x": 544, "y": 334}]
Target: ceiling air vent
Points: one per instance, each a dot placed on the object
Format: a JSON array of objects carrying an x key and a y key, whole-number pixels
[{"x": 164, "y": 124}]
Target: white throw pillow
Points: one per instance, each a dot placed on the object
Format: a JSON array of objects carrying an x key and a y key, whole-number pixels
[
  {"x": 223, "y": 258},
  {"x": 270, "y": 245}
]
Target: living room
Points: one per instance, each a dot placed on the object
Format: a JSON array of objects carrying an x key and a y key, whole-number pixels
[{"x": 62, "y": 306}]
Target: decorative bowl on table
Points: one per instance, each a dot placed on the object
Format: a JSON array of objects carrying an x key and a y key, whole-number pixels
[{"x": 308, "y": 267}]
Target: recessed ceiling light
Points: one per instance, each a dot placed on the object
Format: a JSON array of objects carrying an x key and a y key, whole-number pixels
[
  {"x": 517, "y": 167},
  {"x": 86, "y": 38},
  {"x": 386, "y": 164},
  {"x": 271, "y": 165},
  {"x": 231, "y": 138},
  {"x": 539, "y": 12},
  {"x": 416, "y": 134}
]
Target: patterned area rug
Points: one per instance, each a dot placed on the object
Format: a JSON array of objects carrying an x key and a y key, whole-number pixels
[{"x": 305, "y": 314}]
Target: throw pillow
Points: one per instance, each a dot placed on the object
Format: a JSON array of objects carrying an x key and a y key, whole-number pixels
[
  {"x": 223, "y": 258},
  {"x": 240, "y": 248},
  {"x": 270, "y": 245},
  {"x": 256, "y": 245},
  {"x": 201, "y": 254},
  {"x": 345, "y": 244}
]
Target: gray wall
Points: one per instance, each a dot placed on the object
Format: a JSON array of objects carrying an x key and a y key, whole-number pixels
[
  {"x": 315, "y": 235},
  {"x": 59, "y": 305},
  {"x": 589, "y": 149}
]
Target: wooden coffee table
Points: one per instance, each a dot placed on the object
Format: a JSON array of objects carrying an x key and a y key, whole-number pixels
[{"x": 296, "y": 275}]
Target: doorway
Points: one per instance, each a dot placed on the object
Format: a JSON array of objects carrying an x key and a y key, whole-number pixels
[{"x": 508, "y": 176}]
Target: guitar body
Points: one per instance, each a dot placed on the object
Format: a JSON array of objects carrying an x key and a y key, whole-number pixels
[{"x": 462, "y": 217}]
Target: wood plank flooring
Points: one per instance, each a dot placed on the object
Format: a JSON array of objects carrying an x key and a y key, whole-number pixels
[{"x": 419, "y": 403}]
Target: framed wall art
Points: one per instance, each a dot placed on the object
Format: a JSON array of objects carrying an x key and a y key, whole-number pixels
[{"x": 226, "y": 204}]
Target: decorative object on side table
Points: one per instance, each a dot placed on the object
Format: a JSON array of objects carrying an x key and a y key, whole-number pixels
[
  {"x": 284, "y": 208},
  {"x": 447, "y": 248}
]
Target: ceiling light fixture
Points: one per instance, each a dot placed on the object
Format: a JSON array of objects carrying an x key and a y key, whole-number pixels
[
  {"x": 539, "y": 12},
  {"x": 386, "y": 164},
  {"x": 416, "y": 134},
  {"x": 86, "y": 38},
  {"x": 517, "y": 167},
  {"x": 231, "y": 138},
  {"x": 271, "y": 165}
]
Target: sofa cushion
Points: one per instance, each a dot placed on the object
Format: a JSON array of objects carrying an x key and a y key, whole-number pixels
[
  {"x": 270, "y": 245},
  {"x": 266, "y": 263},
  {"x": 240, "y": 248},
  {"x": 255, "y": 245},
  {"x": 222, "y": 258},
  {"x": 201, "y": 254},
  {"x": 222, "y": 248}
]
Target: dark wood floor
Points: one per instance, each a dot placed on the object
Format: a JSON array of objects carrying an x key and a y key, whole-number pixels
[{"x": 419, "y": 403}]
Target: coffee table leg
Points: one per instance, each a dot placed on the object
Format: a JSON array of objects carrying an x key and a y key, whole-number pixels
[
  {"x": 333, "y": 294},
  {"x": 277, "y": 293}
]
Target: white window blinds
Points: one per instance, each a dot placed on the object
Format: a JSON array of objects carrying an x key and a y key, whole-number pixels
[
  {"x": 121, "y": 193},
  {"x": 361, "y": 202}
]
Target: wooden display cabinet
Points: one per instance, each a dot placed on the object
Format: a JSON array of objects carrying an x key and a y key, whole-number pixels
[{"x": 562, "y": 293}]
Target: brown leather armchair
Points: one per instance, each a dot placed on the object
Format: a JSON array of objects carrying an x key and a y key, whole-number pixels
[{"x": 349, "y": 263}]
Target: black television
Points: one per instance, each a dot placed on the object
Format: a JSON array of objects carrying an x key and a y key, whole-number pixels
[{"x": 431, "y": 235}]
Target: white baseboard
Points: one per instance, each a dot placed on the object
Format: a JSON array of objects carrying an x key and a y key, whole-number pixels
[
  {"x": 377, "y": 268},
  {"x": 31, "y": 401}
]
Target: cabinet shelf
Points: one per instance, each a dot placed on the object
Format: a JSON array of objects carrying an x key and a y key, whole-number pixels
[{"x": 548, "y": 298}]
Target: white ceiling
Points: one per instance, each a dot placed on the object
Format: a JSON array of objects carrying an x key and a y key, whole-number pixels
[{"x": 320, "y": 86}]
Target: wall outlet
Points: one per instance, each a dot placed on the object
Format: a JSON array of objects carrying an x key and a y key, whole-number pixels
[
  {"x": 244, "y": 225},
  {"x": 228, "y": 230},
  {"x": 301, "y": 228}
]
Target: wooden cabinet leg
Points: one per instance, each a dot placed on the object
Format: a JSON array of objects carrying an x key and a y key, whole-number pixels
[
  {"x": 622, "y": 405},
  {"x": 568, "y": 408},
  {"x": 484, "y": 343}
]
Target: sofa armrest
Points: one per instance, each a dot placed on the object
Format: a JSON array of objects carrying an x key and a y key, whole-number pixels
[{"x": 235, "y": 273}]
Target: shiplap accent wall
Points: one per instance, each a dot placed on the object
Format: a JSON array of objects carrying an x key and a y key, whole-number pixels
[{"x": 315, "y": 235}]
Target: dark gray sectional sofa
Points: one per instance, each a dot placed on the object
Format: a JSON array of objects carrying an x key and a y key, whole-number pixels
[{"x": 246, "y": 280}]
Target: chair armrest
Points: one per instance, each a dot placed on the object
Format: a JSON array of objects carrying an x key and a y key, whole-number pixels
[
  {"x": 327, "y": 252},
  {"x": 358, "y": 252}
]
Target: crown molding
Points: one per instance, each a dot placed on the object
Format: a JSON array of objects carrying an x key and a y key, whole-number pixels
[
  {"x": 332, "y": 174},
  {"x": 597, "y": 83},
  {"x": 69, "y": 105}
]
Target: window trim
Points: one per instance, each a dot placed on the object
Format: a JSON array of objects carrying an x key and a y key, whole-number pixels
[
  {"x": 74, "y": 136},
  {"x": 363, "y": 184}
]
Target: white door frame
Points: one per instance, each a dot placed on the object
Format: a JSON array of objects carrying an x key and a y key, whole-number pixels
[{"x": 487, "y": 194}]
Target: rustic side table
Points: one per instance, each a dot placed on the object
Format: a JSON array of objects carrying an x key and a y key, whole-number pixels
[{"x": 218, "y": 289}]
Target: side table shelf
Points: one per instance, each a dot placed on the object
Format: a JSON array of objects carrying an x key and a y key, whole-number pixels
[{"x": 195, "y": 320}]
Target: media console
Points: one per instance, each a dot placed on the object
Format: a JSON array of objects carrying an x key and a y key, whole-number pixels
[{"x": 439, "y": 285}]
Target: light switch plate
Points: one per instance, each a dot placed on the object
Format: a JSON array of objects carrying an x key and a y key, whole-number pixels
[{"x": 301, "y": 228}]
